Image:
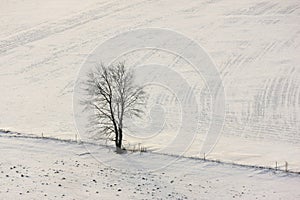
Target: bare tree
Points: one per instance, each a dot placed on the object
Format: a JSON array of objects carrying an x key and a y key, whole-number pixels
[{"x": 112, "y": 95}]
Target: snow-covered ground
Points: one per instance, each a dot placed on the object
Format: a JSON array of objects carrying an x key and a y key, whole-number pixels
[
  {"x": 49, "y": 169},
  {"x": 254, "y": 44}
]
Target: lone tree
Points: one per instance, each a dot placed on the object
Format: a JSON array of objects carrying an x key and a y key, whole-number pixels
[{"x": 112, "y": 95}]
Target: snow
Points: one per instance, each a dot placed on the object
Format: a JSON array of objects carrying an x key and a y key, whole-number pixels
[
  {"x": 254, "y": 45},
  {"x": 65, "y": 170}
]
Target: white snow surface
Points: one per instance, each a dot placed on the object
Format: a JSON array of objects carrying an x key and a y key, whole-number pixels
[
  {"x": 49, "y": 169},
  {"x": 254, "y": 44}
]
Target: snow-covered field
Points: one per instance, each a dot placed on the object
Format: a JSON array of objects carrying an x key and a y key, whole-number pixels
[
  {"x": 254, "y": 45},
  {"x": 60, "y": 170}
]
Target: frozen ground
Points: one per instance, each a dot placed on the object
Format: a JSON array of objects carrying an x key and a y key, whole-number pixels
[
  {"x": 47, "y": 169},
  {"x": 255, "y": 45}
]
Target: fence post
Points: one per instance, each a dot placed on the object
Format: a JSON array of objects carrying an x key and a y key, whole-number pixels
[
  {"x": 286, "y": 166},
  {"x": 276, "y": 166}
]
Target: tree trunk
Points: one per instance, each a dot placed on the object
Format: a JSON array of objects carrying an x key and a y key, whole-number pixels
[
  {"x": 120, "y": 137},
  {"x": 119, "y": 141},
  {"x": 116, "y": 137}
]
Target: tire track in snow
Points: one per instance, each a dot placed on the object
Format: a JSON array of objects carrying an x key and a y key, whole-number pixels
[
  {"x": 277, "y": 95},
  {"x": 62, "y": 25},
  {"x": 61, "y": 51},
  {"x": 260, "y": 118},
  {"x": 261, "y": 8}
]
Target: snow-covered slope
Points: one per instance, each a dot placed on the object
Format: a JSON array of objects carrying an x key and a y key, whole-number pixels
[
  {"x": 254, "y": 44},
  {"x": 52, "y": 169}
]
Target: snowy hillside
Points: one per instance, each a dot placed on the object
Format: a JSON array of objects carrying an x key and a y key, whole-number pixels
[
  {"x": 254, "y": 45},
  {"x": 63, "y": 170}
]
